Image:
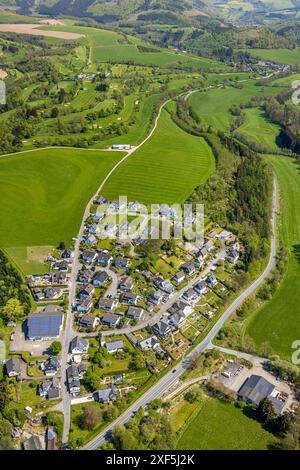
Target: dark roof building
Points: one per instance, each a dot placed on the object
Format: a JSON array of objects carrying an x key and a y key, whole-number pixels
[
  {"x": 33, "y": 443},
  {"x": 13, "y": 367},
  {"x": 256, "y": 388},
  {"x": 45, "y": 324}
]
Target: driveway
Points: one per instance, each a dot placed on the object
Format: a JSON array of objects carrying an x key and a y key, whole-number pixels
[{"x": 19, "y": 343}]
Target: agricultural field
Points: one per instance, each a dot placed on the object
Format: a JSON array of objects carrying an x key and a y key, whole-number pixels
[
  {"x": 221, "y": 426},
  {"x": 213, "y": 106},
  {"x": 165, "y": 170},
  {"x": 278, "y": 322},
  {"x": 43, "y": 195},
  {"x": 285, "y": 56},
  {"x": 109, "y": 46},
  {"x": 257, "y": 128}
]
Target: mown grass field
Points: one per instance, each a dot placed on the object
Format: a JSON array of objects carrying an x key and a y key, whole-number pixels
[
  {"x": 221, "y": 426},
  {"x": 43, "y": 194},
  {"x": 279, "y": 321},
  {"x": 286, "y": 56},
  {"x": 259, "y": 129},
  {"x": 165, "y": 170},
  {"x": 213, "y": 107}
]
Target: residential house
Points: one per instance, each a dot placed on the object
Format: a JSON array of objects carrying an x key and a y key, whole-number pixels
[
  {"x": 33, "y": 443},
  {"x": 90, "y": 240},
  {"x": 115, "y": 346},
  {"x": 200, "y": 288},
  {"x": 162, "y": 328},
  {"x": 49, "y": 389},
  {"x": 51, "y": 366},
  {"x": 135, "y": 313},
  {"x": 59, "y": 278},
  {"x": 13, "y": 367},
  {"x": 106, "y": 395},
  {"x": 233, "y": 256},
  {"x": 85, "y": 305},
  {"x": 79, "y": 345},
  {"x": 177, "y": 319},
  {"x": 46, "y": 324},
  {"x": 92, "y": 228},
  {"x": 89, "y": 256},
  {"x": 166, "y": 286},
  {"x": 73, "y": 380},
  {"x": 156, "y": 297},
  {"x": 122, "y": 263},
  {"x": 61, "y": 265},
  {"x": 111, "y": 320},
  {"x": 87, "y": 291},
  {"x": 82, "y": 369},
  {"x": 188, "y": 268},
  {"x": 179, "y": 277},
  {"x": 88, "y": 321},
  {"x": 151, "y": 343},
  {"x": 38, "y": 293},
  {"x": 106, "y": 303},
  {"x": 104, "y": 259},
  {"x": 131, "y": 298},
  {"x": 190, "y": 296},
  {"x": 211, "y": 280},
  {"x": 86, "y": 276},
  {"x": 180, "y": 305},
  {"x": 66, "y": 254},
  {"x": 126, "y": 284},
  {"x": 51, "y": 439},
  {"x": 209, "y": 246},
  {"x": 100, "y": 278},
  {"x": 52, "y": 293}
]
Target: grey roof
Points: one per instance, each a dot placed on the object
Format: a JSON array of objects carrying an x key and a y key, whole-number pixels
[
  {"x": 72, "y": 372},
  {"x": 255, "y": 389},
  {"x": 135, "y": 312},
  {"x": 278, "y": 404},
  {"x": 101, "y": 276},
  {"x": 110, "y": 318},
  {"x": 113, "y": 345},
  {"x": 79, "y": 343},
  {"x": 33, "y": 443},
  {"x": 45, "y": 323},
  {"x": 107, "y": 394},
  {"x": 13, "y": 365},
  {"x": 51, "y": 434}
]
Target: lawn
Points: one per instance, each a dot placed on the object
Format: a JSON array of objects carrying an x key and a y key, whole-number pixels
[
  {"x": 279, "y": 321},
  {"x": 257, "y": 128},
  {"x": 213, "y": 107},
  {"x": 166, "y": 169},
  {"x": 43, "y": 195},
  {"x": 221, "y": 426},
  {"x": 286, "y": 56}
]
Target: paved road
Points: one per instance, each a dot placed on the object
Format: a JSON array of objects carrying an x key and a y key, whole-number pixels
[
  {"x": 69, "y": 332},
  {"x": 171, "y": 377},
  {"x": 164, "y": 308}
]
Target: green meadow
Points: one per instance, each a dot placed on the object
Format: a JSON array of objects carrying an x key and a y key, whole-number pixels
[
  {"x": 166, "y": 169},
  {"x": 278, "y": 322},
  {"x": 110, "y": 46},
  {"x": 213, "y": 106},
  {"x": 259, "y": 129},
  {"x": 43, "y": 194},
  {"x": 286, "y": 56},
  {"x": 221, "y": 426}
]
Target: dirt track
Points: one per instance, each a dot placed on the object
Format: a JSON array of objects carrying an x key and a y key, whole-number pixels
[{"x": 32, "y": 29}]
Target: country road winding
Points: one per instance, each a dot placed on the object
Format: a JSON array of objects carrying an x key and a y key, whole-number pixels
[{"x": 171, "y": 377}]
